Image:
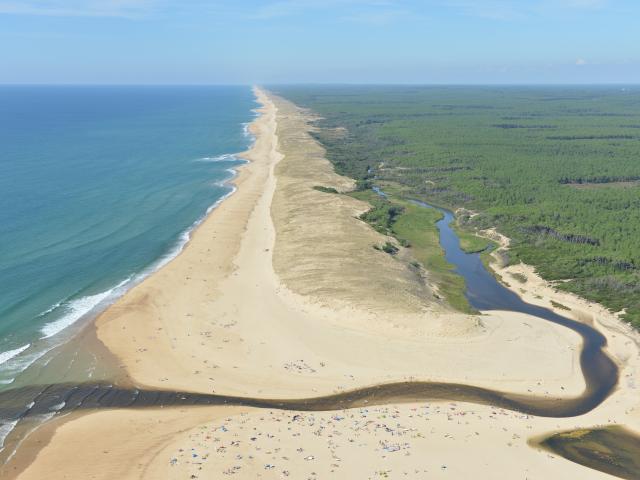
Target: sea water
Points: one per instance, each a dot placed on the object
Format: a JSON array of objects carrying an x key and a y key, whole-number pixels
[{"x": 100, "y": 186}]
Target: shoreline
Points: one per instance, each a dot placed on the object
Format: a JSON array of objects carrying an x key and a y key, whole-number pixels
[
  {"x": 312, "y": 332},
  {"x": 69, "y": 328},
  {"x": 41, "y": 436},
  {"x": 81, "y": 334}
]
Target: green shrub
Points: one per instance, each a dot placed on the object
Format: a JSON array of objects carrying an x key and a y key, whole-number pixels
[{"x": 325, "y": 189}]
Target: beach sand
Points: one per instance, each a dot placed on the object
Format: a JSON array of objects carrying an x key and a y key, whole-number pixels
[{"x": 280, "y": 294}]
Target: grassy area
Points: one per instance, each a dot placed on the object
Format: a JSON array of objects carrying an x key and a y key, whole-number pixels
[
  {"x": 559, "y": 305},
  {"x": 415, "y": 227},
  {"x": 320, "y": 188},
  {"x": 554, "y": 168},
  {"x": 519, "y": 277},
  {"x": 470, "y": 242}
]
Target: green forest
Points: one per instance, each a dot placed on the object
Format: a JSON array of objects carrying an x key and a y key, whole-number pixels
[{"x": 556, "y": 169}]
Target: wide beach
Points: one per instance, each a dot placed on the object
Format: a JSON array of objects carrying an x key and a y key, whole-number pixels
[{"x": 280, "y": 294}]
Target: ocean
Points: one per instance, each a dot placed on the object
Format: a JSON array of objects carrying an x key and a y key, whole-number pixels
[{"x": 100, "y": 186}]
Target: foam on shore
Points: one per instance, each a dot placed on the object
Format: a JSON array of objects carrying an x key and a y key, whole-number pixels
[
  {"x": 72, "y": 311},
  {"x": 8, "y": 355},
  {"x": 15, "y": 361}
]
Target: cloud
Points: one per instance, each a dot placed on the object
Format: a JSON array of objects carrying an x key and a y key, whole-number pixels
[
  {"x": 78, "y": 8},
  {"x": 378, "y": 17},
  {"x": 286, "y": 8},
  {"x": 494, "y": 10},
  {"x": 513, "y": 10},
  {"x": 361, "y": 11},
  {"x": 283, "y": 9},
  {"x": 371, "y": 12},
  {"x": 585, "y": 3},
  {"x": 580, "y": 62}
]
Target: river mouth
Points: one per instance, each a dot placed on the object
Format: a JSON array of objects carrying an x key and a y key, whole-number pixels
[
  {"x": 483, "y": 291},
  {"x": 29, "y": 406},
  {"x": 62, "y": 398}
]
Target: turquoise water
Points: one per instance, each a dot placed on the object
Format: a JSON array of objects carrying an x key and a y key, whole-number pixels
[{"x": 98, "y": 187}]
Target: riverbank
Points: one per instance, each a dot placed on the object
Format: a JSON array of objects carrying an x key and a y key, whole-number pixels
[
  {"x": 280, "y": 294},
  {"x": 268, "y": 308}
]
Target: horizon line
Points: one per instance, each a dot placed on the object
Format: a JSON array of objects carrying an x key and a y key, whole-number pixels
[{"x": 372, "y": 84}]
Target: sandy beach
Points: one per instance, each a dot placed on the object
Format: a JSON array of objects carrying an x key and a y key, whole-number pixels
[{"x": 280, "y": 294}]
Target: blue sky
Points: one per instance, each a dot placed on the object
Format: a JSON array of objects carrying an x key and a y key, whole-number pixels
[{"x": 319, "y": 41}]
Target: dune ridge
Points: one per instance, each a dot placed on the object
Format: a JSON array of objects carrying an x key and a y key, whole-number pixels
[{"x": 280, "y": 294}]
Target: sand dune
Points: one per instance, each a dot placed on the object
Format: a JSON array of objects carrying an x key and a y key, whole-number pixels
[
  {"x": 334, "y": 313},
  {"x": 279, "y": 293}
]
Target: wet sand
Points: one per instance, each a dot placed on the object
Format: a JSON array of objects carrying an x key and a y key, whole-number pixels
[
  {"x": 232, "y": 315},
  {"x": 279, "y": 294},
  {"x": 613, "y": 450}
]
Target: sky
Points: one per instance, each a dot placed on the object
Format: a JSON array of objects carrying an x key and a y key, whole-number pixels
[{"x": 319, "y": 41}]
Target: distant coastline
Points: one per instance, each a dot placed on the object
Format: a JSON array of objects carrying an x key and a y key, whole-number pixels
[
  {"x": 52, "y": 346},
  {"x": 237, "y": 313}
]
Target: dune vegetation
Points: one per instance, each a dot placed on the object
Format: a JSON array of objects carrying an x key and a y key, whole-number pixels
[{"x": 556, "y": 169}]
